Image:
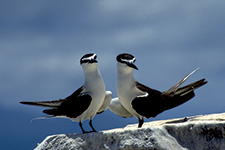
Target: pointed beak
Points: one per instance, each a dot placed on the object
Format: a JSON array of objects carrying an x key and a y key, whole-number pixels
[
  {"x": 93, "y": 61},
  {"x": 132, "y": 66}
]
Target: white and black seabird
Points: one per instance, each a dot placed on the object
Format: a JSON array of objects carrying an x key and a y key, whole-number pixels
[
  {"x": 136, "y": 99},
  {"x": 87, "y": 101}
]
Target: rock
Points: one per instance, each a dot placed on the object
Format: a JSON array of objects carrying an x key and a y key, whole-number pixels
[{"x": 205, "y": 132}]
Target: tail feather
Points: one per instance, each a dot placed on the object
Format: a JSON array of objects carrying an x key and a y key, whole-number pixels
[
  {"x": 177, "y": 100},
  {"x": 174, "y": 88},
  {"x": 49, "y": 104},
  {"x": 182, "y": 94},
  {"x": 176, "y": 96},
  {"x": 47, "y": 117},
  {"x": 190, "y": 87}
]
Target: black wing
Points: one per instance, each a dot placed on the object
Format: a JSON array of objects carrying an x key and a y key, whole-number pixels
[
  {"x": 147, "y": 105},
  {"x": 181, "y": 95},
  {"x": 152, "y": 105},
  {"x": 76, "y": 93},
  {"x": 49, "y": 104},
  {"x": 54, "y": 103},
  {"x": 156, "y": 102},
  {"x": 72, "y": 107},
  {"x": 144, "y": 88}
]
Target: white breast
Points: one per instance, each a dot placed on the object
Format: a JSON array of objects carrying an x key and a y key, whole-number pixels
[
  {"x": 94, "y": 85},
  {"x": 126, "y": 90}
]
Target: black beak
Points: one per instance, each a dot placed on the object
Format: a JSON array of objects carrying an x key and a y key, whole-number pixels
[
  {"x": 93, "y": 61},
  {"x": 132, "y": 65}
]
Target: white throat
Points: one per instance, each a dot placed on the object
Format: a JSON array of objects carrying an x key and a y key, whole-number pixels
[
  {"x": 91, "y": 72},
  {"x": 125, "y": 83},
  {"x": 126, "y": 87},
  {"x": 93, "y": 78}
]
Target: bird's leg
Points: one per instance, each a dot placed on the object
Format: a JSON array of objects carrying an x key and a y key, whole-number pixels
[
  {"x": 80, "y": 124},
  {"x": 90, "y": 123},
  {"x": 141, "y": 121}
]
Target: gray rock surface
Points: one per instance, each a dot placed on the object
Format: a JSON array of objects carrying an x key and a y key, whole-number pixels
[{"x": 205, "y": 132}]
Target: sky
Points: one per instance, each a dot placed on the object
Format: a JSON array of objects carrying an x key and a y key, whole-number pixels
[{"x": 41, "y": 43}]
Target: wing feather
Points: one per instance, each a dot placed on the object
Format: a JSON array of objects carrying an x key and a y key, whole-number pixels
[
  {"x": 72, "y": 108},
  {"x": 54, "y": 103}
]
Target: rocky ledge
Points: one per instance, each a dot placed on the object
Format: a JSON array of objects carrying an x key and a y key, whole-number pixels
[{"x": 205, "y": 132}]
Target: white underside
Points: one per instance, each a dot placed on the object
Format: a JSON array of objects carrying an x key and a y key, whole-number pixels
[
  {"x": 117, "y": 108},
  {"x": 126, "y": 89}
]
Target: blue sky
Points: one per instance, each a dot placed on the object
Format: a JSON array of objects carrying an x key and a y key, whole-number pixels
[{"x": 42, "y": 41}]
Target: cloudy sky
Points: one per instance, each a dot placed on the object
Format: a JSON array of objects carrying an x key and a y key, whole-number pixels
[{"x": 42, "y": 41}]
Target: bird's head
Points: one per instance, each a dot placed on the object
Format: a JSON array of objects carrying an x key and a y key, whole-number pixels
[
  {"x": 126, "y": 61},
  {"x": 89, "y": 61}
]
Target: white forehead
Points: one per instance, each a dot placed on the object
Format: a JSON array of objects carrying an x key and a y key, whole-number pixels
[
  {"x": 89, "y": 58},
  {"x": 129, "y": 61}
]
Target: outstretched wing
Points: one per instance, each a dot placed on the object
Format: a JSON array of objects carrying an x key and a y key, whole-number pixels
[{"x": 72, "y": 107}]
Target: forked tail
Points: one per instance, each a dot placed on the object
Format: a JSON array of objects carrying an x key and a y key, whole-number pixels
[{"x": 177, "y": 95}]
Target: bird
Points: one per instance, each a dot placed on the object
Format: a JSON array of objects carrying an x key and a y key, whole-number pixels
[
  {"x": 136, "y": 99},
  {"x": 87, "y": 101}
]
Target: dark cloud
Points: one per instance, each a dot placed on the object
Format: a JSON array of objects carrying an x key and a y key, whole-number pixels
[{"x": 41, "y": 43}]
